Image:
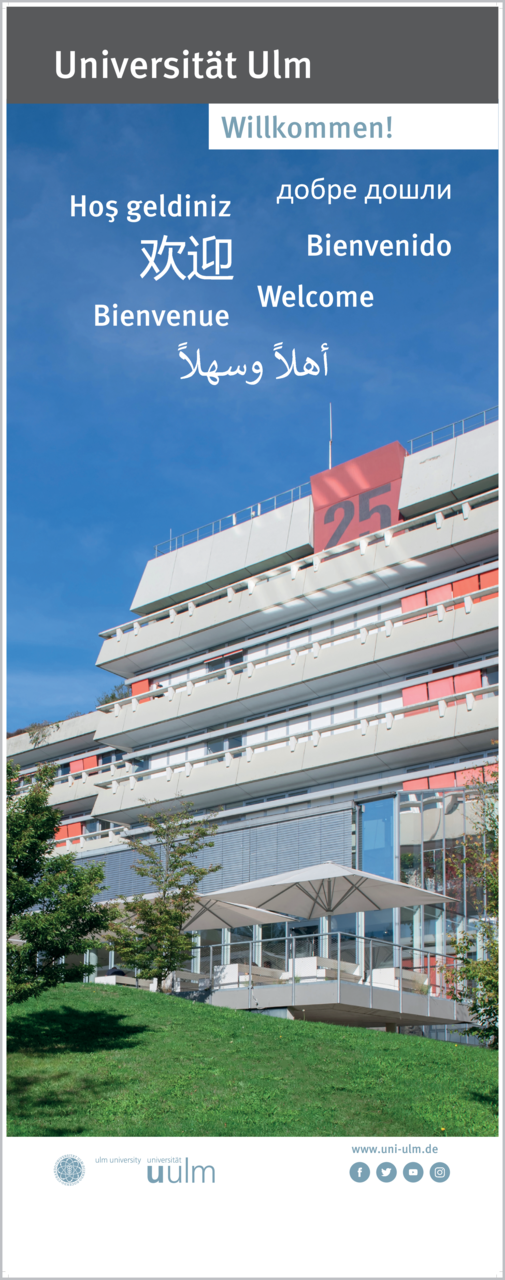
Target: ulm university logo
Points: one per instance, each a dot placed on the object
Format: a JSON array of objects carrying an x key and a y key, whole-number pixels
[
  {"x": 155, "y": 1171},
  {"x": 69, "y": 1170}
]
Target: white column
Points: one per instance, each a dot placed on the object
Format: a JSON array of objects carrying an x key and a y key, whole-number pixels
[
  {"x": 360, "y": 930},
  {"x": 225, "y": 943},
  {"x": 323, "y": 937},
  {"x": 256, "y": 950},
  {"x": 417, "y": 931},
  {"x": 195, "y": 959}
]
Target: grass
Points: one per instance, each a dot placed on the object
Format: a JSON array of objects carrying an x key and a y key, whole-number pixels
[{"x": 92, "y": 1060}]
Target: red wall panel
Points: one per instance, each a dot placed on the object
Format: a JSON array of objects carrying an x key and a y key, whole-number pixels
[
  {"x": 489, "y": 579},
  {"x": 443, "y": 780},
  {"x": 415, "y": 693},
  {"x": 414, "y": 602},
  {"x": 466, "y": 777},
  {"x": 441, "y": 688},
  {"x": 464, "y": 587},
  {"x": 438, "y": 595},
  {"x": 468, "y": 680},
  {"x": 140, "y": 686},
  {"x": 357, "y": 497}
]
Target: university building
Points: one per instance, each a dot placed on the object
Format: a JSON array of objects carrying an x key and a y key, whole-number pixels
[{"x": 321, "y": 670}]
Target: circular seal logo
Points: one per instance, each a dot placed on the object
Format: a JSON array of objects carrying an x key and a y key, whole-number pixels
[{"x": 69, "y": 1170}]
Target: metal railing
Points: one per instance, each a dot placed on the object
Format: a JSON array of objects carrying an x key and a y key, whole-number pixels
[
  {"x": 453, "y": 429},
  {"x": 237, "y": 517},
  {"x": 312, "y": 561},
  {"x": 112, "y": 835},
  {"x": 123, "y": 832},
  {"x": 290, "y": 653},
  {"x": 304, "y": 490},
  {"x": 344, "y": 959},
  {"x": 292, "y": 739}
]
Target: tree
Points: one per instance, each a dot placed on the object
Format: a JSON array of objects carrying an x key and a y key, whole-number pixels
[
  {"x": 469, "y": 980},
  {"x": 50, "y": 908},
  {"x": 117, "y": 692},
  {"x": 475, "y": 982},
  {"x": 149, "y": 934},
  {"x": 482, "y": 848}
]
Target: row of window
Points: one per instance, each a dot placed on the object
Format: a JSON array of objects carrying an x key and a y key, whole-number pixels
[
  {"x": 274, "y": 650},
  {"x": 327, "y": 723},
  {"x": 88, "y": 762}
]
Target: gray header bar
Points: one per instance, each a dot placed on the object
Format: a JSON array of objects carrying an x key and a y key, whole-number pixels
[{"x": 410, "y": 54}]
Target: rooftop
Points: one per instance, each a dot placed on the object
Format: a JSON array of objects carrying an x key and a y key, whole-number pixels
[{"x": 415, "y": 445}]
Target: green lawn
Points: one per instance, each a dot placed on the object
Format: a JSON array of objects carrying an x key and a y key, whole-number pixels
[{"x": 95, "y": 1060}]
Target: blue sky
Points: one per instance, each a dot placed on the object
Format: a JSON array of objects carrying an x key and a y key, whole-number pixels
[{"x": 108, "y": 449}]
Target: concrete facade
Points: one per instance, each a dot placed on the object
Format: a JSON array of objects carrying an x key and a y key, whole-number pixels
[
  {"x": 247, "y": 548},
  {"x": 295, "y": 692},
  {"x": 451, "y": 471}
]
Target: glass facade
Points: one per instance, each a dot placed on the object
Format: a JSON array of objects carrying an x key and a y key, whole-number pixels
[
  {"x": 417, "y": 837},
  {"x": 377, "y": 836},
  {"x": 274, "y": 946},
  {"x": 434, "y": 827}
]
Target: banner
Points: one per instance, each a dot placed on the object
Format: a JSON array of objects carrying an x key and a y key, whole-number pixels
[{"x": 253, "y": 439}]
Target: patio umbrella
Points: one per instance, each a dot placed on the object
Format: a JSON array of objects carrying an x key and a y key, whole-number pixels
[
  {"x": 215, "y": 913},
  {"x": 327, "y": 890}
]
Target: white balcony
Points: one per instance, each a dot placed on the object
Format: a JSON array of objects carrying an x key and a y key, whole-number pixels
[
  {"x": 76, "y": 736},
  {"x": 364, "y": 982},
  {"x": 74, "y": 793},
  {"x": 348, "y": 1004},
  {"x": 425, "y": 546},
  {"x": 267, "y": 539},
  {"x": 389, "y": 649},
  {"x": 465, "y": 723}
]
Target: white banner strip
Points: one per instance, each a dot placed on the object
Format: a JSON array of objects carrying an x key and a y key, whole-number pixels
[{"x": 353, "y": 127}]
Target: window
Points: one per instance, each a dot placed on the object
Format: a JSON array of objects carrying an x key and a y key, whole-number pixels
[
  {"x": 217, "y": 745},
  {"x": 376, "y": 837},
  {"x": 109, "y": 757},
  {"x": 141, "y": 764},
  {"x": 216, "y": 667},
  {"x": 273, "y": 951}
]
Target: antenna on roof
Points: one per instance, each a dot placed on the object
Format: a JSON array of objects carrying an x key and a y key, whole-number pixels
[{"x": 331, "y": 436}]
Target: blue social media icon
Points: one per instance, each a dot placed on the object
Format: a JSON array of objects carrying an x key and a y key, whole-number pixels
[
  {"x": 386, "y": 1172},
  {"x": 440, "y": 1172},
  {"x": 413, "y": 1171},
  {"x": 359, "y": 1172}
]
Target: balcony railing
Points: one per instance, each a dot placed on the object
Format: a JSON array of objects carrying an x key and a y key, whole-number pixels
[
  {"x": 290, "y": 654},
  {"x": 337, "y": 957},
  {"x": 87, "y": 838},
  {"x": 237, "y": 517},
  {"x": 304, "y": 490},
  {"x": 453, "y": 429},
  {"x": 291, "y": 738},
  {"x": 314, "y": 562}
]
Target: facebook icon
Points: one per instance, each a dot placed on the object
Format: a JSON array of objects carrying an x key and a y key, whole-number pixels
[{"x": 359, "y": 1172}]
